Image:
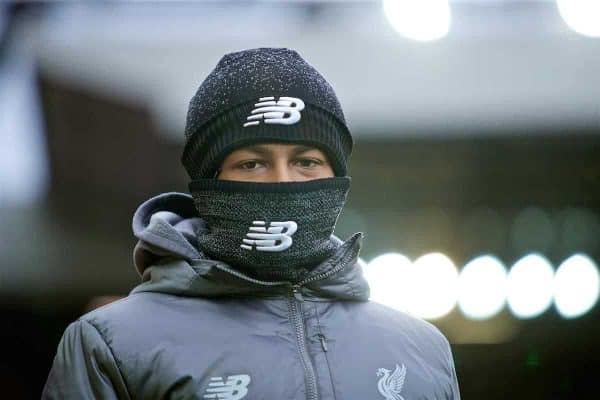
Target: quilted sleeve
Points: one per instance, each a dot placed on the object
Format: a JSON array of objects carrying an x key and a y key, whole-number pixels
[
  {"x": 454, "y": 380},
  {"x": 84, "y": 367}
]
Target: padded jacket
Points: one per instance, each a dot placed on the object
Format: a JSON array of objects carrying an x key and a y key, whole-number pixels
[{"x": 196, "y": 328}]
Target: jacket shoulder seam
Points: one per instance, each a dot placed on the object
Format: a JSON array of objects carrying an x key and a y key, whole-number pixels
[{"x": 110, "y": 350}]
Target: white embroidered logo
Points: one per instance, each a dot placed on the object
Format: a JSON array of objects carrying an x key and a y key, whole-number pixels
[
  {"x": 265, "y": 238},
  {"x": 285, "y": 111},
  {"x": 234, "y": 388},
  {"x": 390, "y": 386}
]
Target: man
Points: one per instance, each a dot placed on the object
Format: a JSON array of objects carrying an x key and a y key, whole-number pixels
[{"x": 246, "y": 293}]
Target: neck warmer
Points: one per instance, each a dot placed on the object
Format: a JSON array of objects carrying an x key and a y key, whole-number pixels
[{"x": 271, "y": 231}]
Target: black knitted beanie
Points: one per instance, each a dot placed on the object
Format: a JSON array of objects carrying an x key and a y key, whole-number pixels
[{"x": 263, "y": 95}]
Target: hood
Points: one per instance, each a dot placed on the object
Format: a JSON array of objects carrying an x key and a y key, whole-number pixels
[{"x": 168, "y": 259}]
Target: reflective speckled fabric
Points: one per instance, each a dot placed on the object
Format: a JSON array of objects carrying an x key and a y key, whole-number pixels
[
  {"x": 229, "y": 92},
  {"x": 230, "y": 209},
  {"x": 253, "y": 73}
]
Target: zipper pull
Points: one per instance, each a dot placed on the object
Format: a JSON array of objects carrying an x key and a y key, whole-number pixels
[
  {"x": 323, "y": 344},
  {"x": 297, "y": 293}
]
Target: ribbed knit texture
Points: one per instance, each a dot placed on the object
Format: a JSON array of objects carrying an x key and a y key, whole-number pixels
[
  {"x": 230, "y": 207},
  {"x": 225, "y": 133},
  {"x": 236, "y": 84}
]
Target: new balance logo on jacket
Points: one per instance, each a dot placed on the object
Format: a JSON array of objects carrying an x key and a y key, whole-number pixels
[
  {"x": 285, "y": 111},
  {"x": 235, "y": 387}
]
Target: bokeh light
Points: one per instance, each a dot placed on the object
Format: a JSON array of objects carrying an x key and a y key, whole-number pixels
[
  {"x": 421, "y": 20},
  {"x": 482, "y": 287},
  {"x": 530, "y": 286},
  {"x": 583, "y": 16},
  {"x": 434, "y": 286},
  {"x": 488, "y": 220},
  {"x": 533, "y": 230},
  {"x": 579, "y": 231},
  {"x": 389, "y": 280},
  {"x": 576, "y": 286}
]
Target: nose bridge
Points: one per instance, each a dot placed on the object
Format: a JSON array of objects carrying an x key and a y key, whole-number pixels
[{"x": 282, "y": 170}]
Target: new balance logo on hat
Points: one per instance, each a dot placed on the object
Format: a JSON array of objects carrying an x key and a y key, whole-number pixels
[
  {"x": 234, "y": 388},
  {"x": 285, "y": 111},
  {"x": 265, "y": 238}
]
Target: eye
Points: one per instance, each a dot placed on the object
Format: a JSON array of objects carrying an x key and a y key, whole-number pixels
[
  {"x": 309, "y": 162},
  {"x": 248, "y": 165}
]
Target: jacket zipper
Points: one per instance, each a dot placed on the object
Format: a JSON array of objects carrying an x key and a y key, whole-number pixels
[
  {"x": 294, "y": 300},
  {"x": 323, "y": 341}
]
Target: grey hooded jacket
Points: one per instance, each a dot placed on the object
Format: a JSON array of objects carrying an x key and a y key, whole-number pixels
[{"x": 195, "y": 328}]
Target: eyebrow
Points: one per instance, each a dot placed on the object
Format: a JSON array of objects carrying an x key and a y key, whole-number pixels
[{"x": 258, "y": 149}]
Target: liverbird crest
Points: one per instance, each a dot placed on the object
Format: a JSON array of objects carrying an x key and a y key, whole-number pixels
[{"x": 390, "y": 385}]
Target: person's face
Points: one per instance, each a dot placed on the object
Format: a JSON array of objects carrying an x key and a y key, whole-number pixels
[{"x": 275, "y": 162}]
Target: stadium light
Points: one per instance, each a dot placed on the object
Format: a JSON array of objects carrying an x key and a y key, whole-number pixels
[
  {"x": 482, "y": 287},
  {"x": 582, "y": 16},
  {"x": 422, "y": 20},
  {"x": 389, "y": 280},
  {"x": 434, "y": 286},
  {"x": 576, "y": 286},
  {"x": 530, "y": 286}
]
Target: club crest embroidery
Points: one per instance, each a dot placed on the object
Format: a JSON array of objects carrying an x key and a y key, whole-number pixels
[
  {"x": 235, "y": 387},
  {"x": 390, "y": 385},
  {"x": 275, "y": 237},
  {"x": 285, "y": 111}
]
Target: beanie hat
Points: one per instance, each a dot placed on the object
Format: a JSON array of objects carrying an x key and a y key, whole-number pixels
[{"x": 263, "y": 95}]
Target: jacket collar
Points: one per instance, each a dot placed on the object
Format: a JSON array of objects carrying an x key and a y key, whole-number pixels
[{"x": 169, "y": 261}]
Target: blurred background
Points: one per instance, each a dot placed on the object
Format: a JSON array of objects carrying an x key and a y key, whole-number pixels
[{"x": 476, "y": 169}]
